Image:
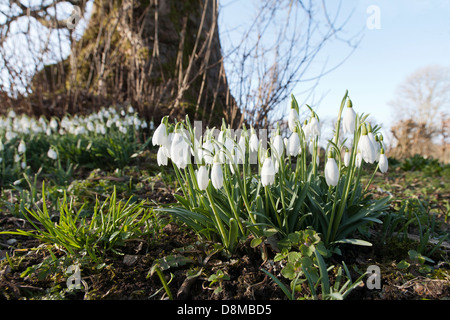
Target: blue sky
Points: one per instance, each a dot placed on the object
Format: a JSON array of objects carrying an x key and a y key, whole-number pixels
[{"x": 412, "y": 34}]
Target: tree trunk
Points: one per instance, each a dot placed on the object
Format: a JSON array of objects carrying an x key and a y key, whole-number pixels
[{"x": 161, "y": 56}]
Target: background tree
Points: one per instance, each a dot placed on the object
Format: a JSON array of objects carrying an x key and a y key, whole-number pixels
[
  {"x": 162, "y": 56},
  {"x": 421, "y": 107}
]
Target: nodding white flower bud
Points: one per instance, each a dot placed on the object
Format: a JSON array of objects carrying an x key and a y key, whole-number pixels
[
  {"x": 254, "y": 143},
  {"x": 306, "y": 130},
  {"x": 208, "y": 151},
  {"x": 349, "y": 118},
  {"x": 52, "y": 154},
  {"x": 368, "y": 152},
  {"x": 22, "y": 148},
  {"x": 331, "y": 171},
  {"x": 180, "y": 150},
  {"x": 278, "y": 145},
  {"x": 161, "y": 156},
  {"x": 293, "y": 119},
  {"x": 314, "y": 127},
  {"x": 160, "y": 135},
  {"x": 202, "y": 178},
  {"x": 217, "y": 174},
  {"x": 346, "y": 157},
  {"x": 383, "y": 162},
  {"x": 267, "y": 172},
  {"x": 294, "y": 144}
]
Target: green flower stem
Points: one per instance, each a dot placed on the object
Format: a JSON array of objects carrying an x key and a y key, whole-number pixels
[
  {"x": 269, "y": 195},
  {"x": 371, "y": 178},
  {"x": 180, "y": 180},
  {"x": 217, "y": 217},
  {"x": 230, "y": 199}
]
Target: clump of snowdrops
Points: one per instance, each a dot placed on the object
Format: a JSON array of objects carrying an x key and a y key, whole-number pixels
[
  {"x": 106, "y": 138},
  {"x": 236, "y": 186}
]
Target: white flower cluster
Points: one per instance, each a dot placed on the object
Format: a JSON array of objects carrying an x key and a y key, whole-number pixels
[
  {"x": 211, "y": 151},
  {"x": 98, "y": 123}
]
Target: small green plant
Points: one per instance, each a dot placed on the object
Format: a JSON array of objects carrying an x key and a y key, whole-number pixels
[
  {"x": 111, "y": 223},
  {"x": 218, "y": 277},
  {"x": 303, "y": 253}
]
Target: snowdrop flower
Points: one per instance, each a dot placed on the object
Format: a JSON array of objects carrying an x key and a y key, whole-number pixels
[
  {"x": 161, "y": 156},
  {"x": 293, "y": 119},
  {"x": 202, "y": 178},
  {"x": 216, "y": 173},
  {"x": 90, "y": 126},
  {"x": 52, "y": 154},
  {"x": 23, "y": 164},
  {"x": 267, "y": 172},
  {"x": 331, "y": 171},
  {"x": 278, "y": 144},
  {"x": 349, "y": 118},
  {"x": 372, "y": 138},
  {"x": 306, "y": 130},
  {"x": 160, "y": 134},
  {"x": 383, "y": 162},
  {"x": 294, "y": 144},
  {"x": 22, "y": 148},
  {"x": 180, "y": 150},
  {"x": 242, "y": 149},
  {"x": 208, "y": 150},
  {"x": 346, "y": 157},
  {"x": 253, "y": 141},
  {"x": 368, "y": 152},
  {"x": 314, "y": 127}
]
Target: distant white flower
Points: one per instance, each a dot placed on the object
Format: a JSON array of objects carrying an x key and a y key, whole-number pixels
[
  {"x": 202, "y": 178},
  {"x": 331, "y": 172},
  {"x": 52, "y": 154},
  {"x": 267, "y": 172},
  {"x": 22, "y": 148},
  {"x": 23, "y": 164},
  {"x": 349, "y": 119},
  {"x": 383, "y": 162}
]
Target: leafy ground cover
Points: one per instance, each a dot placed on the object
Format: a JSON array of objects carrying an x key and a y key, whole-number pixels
[{"x": 103, "y": 221}]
